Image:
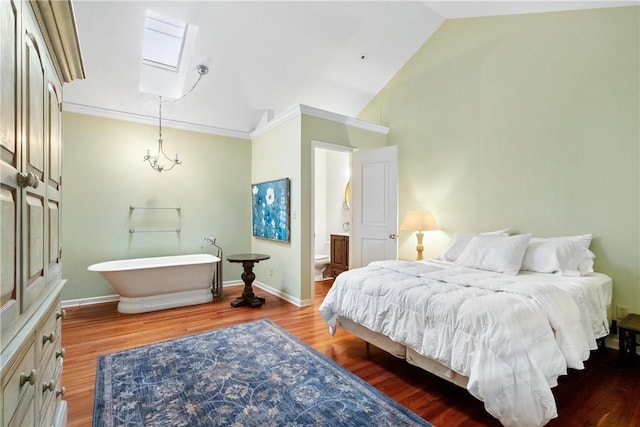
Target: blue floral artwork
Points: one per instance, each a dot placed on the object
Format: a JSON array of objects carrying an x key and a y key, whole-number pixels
[{"x": 270, "y": 210}]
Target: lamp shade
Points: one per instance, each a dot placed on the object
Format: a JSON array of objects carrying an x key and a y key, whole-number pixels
[{"x": 420, "y": 220}]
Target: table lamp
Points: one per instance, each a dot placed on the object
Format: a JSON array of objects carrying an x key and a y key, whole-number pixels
[{"x": 419, "y": 220}]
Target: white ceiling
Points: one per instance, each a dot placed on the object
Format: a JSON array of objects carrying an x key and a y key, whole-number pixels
[{"x": 264, "y": 57}]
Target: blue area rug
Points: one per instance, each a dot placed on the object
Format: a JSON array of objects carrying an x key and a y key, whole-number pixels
[{"x": 252, "y": 374}]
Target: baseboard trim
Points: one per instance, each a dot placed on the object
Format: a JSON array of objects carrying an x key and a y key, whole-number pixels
[
  {"x": 82, "y": 302},
  {"x": 611, "y": 341},
  {"x": 103, "y": 299},
  {"x": 282, "y": 295}
]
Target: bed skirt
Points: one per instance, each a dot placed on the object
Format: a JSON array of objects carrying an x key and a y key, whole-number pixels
[{"x": 403, "y": 352}]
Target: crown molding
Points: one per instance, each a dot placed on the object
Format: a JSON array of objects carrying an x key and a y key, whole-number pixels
[
  {"x": 275, "y": 122},
  {"x": 321, "y": 114},
  {"x": 139, "y": 118},
  {"x": 297, "y": 111},
  {"x": 345, "y": 120},
  {"x": 57, "y": 22}
]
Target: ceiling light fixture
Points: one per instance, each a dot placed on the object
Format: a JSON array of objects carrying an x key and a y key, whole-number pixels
[{"x": 154, "y": 160}]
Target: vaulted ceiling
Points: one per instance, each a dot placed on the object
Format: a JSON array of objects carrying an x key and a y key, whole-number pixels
[{"x": 264, "y": 57}]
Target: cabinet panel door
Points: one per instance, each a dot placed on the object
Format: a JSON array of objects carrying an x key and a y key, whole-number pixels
[
  {"x": 8, "y": 80},
  {"x": 34, "y": 216},
  {"x": 9, "y": 307},
  {"x": 339, "y": 251},
  {"x": 55, "y": 270},
  {"x": 34, "y": 108},
  {"x": 55, "y": 135},
  {"x": 34, "y": 252},
  {"x": 9, "y": 162},
  {"x": 54, "y": 182}
]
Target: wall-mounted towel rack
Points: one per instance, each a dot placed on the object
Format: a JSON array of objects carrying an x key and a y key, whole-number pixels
[
  {"x": 132, "y": 207},
  {"x": 155, "y": 219},
  {"x": 167, "y": 230}
]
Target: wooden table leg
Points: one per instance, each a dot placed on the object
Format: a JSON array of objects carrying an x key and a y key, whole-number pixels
[
  {"x": 622, "y": 347},
  {"x": 627, "y": 347},
  {"x": 248, "y": 297}
]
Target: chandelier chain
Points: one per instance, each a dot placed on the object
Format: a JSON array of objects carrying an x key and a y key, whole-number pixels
[
  {"x": 160, "y": 117},
  {"x": 154, "y": 159}
]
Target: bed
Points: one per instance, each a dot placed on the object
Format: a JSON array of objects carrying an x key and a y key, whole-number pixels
[{"x": 503, "y": 316}]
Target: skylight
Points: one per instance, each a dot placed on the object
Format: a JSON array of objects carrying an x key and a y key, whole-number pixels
[{"x": 163, "y": 41}]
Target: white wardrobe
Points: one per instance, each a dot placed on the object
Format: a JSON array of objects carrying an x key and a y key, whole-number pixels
[{"x": 39, "y": 50}]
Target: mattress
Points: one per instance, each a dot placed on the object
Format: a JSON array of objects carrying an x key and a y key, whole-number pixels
[{"x": 508, "y": 337}]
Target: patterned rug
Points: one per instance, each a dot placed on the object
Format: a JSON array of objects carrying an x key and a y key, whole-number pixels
[{"x": 252, "y": 374}]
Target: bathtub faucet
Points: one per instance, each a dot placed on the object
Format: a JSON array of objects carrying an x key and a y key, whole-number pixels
[
  {"x": 216, "y": 286},
  {"x": 212, "y": 242}
]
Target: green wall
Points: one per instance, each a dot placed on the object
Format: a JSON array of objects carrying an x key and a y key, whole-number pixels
[
  {"x": 529, "y": 122},
  {"x": 276, "y": 155},
  {"x": 103, "y": 174},
  {"x": 285, "y": 151},
  {"x": 315, "y": 129}
]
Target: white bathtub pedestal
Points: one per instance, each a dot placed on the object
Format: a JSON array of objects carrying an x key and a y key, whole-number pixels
[{"x": 164, "y": 301}]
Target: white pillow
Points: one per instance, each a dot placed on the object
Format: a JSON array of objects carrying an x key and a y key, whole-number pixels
[
  {"x": 502, "y": 254},
  {"x": 459, "y": 242},
  {"x": 568, "y": 256}
]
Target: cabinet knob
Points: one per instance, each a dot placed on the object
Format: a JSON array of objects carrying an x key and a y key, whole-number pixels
[
  {"x": 27, "y": 180},
  {"x": 31, "y": 378},
  {"x": 61, "y": 391},
  {"x": 393, "y": 236},
  {"x": 50, "y": 337},
  {"x": 61, "y": 313},
  {"x": 48, "y": 386},
  {"x": 60, "y": 353}
]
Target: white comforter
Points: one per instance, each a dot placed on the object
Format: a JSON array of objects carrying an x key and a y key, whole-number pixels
[{"x": 512, "y": 336}]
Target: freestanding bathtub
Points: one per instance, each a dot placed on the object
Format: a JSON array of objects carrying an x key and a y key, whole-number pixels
[{"x": 148, "y": 284}]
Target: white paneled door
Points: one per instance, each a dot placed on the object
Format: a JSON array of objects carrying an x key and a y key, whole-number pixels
[{"x": 375, "y": 206}]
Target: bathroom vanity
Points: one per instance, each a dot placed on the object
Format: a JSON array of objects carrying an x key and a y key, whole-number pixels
[{"x": 339, "y": 254}]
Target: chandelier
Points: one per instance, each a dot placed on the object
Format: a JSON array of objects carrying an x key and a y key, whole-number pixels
[
  {"x": 158, "y": 160},
  {"x": 154, "y": 160}
]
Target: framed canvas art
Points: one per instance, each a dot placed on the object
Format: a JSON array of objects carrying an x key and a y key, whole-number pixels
[{"x": 270, "y": 210}]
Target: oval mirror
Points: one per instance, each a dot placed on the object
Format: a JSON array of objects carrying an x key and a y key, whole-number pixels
[{"x": 347, "y": 196}]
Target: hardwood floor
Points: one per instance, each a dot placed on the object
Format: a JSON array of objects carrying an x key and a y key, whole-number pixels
[{"x": 600, "y": 395}]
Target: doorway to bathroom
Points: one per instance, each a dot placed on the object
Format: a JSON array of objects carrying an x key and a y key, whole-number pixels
[
  {"x": 331, "y": 204},
  {"x": 348, "y": 185}
]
